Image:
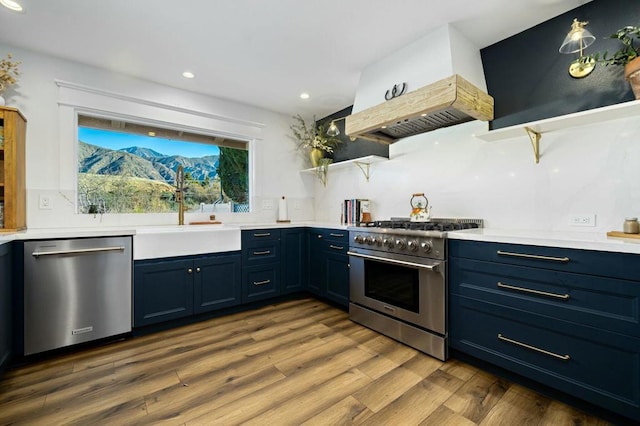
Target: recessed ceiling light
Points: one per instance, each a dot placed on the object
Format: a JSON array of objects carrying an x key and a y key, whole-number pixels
[
  {"x": 11, "y": 4},
  {"x": 186, "y": 74},
  {"x": 304, "y": 95}
]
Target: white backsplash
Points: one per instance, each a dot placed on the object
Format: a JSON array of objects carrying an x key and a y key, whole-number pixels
[{"x": 592, "y": 169}]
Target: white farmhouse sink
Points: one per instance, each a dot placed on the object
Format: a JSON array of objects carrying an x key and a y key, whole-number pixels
[{"x": 152, "y": 242}]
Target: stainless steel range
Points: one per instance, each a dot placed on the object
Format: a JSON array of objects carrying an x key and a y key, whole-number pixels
[{"x": 398, "y": 283}]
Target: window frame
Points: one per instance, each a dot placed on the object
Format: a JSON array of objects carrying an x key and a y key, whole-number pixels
[{"x": 75, "y": 99}]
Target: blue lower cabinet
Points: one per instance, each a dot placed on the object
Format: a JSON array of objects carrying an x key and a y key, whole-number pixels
[
  {"x": 328, "y": 264},
  {"x": 168, "y": 289},
  {"x": 294, "y": 259},
  {"x": 337, "y": 275},
  {"x": 217, "y": 282},
  {"x": 595, "y": 365},
  {"x": 260, "y": 282},
  {"x": 6, "y": 309}
]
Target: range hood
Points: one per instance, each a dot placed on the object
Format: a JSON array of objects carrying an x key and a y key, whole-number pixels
[{"x": 446, "y": 102}]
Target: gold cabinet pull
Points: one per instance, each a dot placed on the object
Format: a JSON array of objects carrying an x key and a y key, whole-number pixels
[
  {"x": 534, "y": 256},
  {"x": 261, "y": 253},
  {"x": 532, "y": 291},
  {"x": 336, "y": 235},
  {"x": 336, "y": 247},
  {"x": 261, "y": 282},
  {"x": 189, "y": 271},
  {"x": 533, "y": 348},
  {"x": 263, "y": 234},
  {"x": 197, "y": 269}
]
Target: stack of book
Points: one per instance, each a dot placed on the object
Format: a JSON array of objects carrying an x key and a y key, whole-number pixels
[{"x": 356, "y": 211}]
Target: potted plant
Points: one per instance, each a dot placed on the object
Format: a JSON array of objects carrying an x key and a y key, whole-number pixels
[
  {"x": 314, "y": 138},
  {"x": 8, "y": 74},
  {"x": 628, "y": 56}
]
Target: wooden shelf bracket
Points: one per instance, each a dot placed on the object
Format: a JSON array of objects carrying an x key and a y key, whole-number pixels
[{"x": 535, "y": 142}]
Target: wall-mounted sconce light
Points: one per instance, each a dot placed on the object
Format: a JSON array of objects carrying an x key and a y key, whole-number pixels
[
  {"x": 577, "y": 40},
  {"x": 333, "y": 130}
]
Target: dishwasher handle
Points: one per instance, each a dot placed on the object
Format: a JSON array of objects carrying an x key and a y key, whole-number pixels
[{"x": 77, "y": 251}]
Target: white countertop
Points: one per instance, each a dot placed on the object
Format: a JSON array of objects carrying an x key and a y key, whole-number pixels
[
  {"x": 52, "y": 233},
  {"x": 576, "y": 240}
]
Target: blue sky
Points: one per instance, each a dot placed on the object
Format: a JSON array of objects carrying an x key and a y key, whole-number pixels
[{"x": 119, "y": 140}]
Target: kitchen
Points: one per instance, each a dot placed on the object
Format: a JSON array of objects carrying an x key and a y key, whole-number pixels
[{"x": 584, "y": 170}]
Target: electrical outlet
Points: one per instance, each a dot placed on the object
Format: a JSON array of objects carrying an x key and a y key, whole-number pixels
[
  {"x": 267, "y": 204},
  {"x": 45, "y": 203},
  {"x": 583, "y": 220}
]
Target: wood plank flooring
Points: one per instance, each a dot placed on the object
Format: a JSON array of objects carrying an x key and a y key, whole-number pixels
[{"x": 297, "y": 362}]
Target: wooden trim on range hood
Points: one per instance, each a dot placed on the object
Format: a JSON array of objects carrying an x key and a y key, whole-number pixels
[{"x": 447, "y": 102}]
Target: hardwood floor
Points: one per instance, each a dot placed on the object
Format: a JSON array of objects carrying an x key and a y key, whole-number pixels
[{"x": 298, "y": 362}]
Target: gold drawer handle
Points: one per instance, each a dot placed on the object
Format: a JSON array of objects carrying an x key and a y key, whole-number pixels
[
  {"x": 261, "y": 253},
  {"x": 532, "y": 291},
  {"x": 534, "y": 256},
  {"x": 533, "y": 348},
  {"x": 261, "y": 282},
  {"x": 336, "y": 247}
]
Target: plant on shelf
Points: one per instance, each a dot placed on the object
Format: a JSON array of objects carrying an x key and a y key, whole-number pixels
[
  {"x": 627, "y": 56},
  {"x": 313, "y": 138}
]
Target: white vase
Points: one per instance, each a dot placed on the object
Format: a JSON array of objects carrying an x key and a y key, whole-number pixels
[{"x": 2, "y": 101}]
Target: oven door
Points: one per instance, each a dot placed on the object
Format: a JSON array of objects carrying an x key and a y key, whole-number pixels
[{"x": 404, "y": 287}]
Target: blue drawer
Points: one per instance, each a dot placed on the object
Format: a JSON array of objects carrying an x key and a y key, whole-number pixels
[
  {"x": 256, "y": 235},
  {"x": 260, "y": 282},
  {"x": 607, "y": 303},
  {"x": 605, "y": 264},
  {"x": 337, "y": 236},
  {"x": 602, "y": 368}
]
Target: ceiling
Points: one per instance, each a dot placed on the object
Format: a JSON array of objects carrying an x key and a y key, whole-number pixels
[{"x": 259, "y": 52}]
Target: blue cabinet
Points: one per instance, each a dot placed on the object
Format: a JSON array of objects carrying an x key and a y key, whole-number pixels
[
  {"x": 274, "y": 262},
  {"x": 567, "y": 318},
  {"x": 294, "y": 259},
  {"x": 6, "y": 311},
  {"x": 216, "y": 282},
  {"x": 329, "y": 265},
  {"x": 168, "y": 289},
  {"x": 260, "y": 264}
]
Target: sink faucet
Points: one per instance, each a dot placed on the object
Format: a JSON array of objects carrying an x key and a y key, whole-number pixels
[{"x": 180, "y": 193}]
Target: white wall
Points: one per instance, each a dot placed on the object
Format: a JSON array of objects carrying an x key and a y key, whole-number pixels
[
  {"x": 593, "y": 169},
  {"x": 276, "y": 161}
]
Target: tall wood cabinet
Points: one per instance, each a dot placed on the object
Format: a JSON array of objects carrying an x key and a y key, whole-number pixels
[{"x": 12, "y": 169}]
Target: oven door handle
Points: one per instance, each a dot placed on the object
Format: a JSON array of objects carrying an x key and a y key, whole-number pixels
[{"x": 432, "y": 267}]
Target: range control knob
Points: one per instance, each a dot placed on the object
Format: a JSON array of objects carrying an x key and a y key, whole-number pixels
[
  {"x": 387, "y": 242},
  {"x": 426, "y": 246},
  {"x": 358, "y": 239},
  {"x": 401, "y": 244},
  {"x": 412, "y": 245},
  {"x": 369, "y": 240},
  {"x": 378, "y": 241}
]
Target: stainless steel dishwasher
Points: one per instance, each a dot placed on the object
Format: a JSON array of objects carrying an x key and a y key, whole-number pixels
[{"x": 75, "y": 291}]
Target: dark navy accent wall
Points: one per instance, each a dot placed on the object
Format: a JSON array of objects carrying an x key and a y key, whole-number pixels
[
  {"x": 348, "y": 149},
  {"x": 529, "y": 79}
]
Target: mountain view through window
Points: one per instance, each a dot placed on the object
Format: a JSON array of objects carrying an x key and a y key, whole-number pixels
[{"x": 130, "y": 168}]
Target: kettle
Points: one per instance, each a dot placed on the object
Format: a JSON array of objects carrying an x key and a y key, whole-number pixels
[{"x": 420, "y": 210}]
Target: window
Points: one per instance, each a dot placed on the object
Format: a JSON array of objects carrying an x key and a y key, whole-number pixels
[{"x": 125, "y": 167}]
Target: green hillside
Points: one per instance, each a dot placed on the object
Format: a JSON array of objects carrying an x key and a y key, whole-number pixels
[{"x": 119, "y": 194}]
